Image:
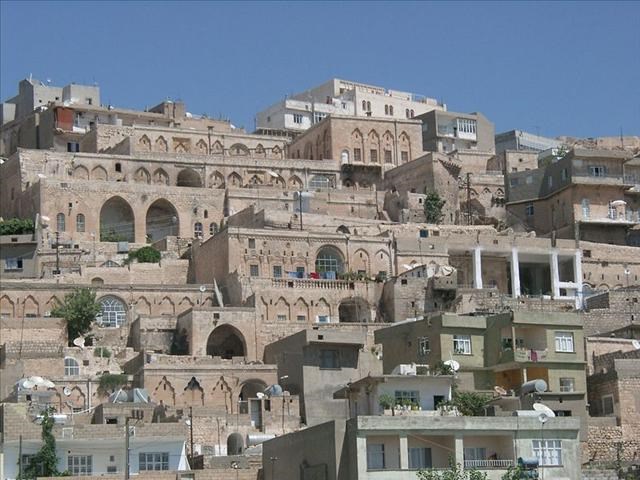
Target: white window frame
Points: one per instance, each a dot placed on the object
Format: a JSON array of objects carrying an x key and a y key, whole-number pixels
[
  {"x": 424, "y": 348},
  {"x": 281, "y": 318},
  {"x": 71, "y": 367},
  {"x": 597, "y": 171},
  {"x": 13, "y": 263},
  {"x": 412, "y": 395},
  {"x": 564, "y": 342},
  {"x": 420, "y": 454},
  {"x": 153, "y": 461},
  {"x": 80, "y": 464},
  {"x": 548, "y": 452},
  {"x": 567, "y": 384},
  {"x": 114, "y": 318},
  {"x": 297, "y": 118},
  {"x": 529, "y": 210},
  {"x": 462, "y": 344}
]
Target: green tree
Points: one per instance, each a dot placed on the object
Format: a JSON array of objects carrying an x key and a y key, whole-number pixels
[
  {"x": 470, "y": 404},
  {"x": 146, "y": 255},
  {"x": 110, "y": 382},
  {"x": 45, "y": 462},
  {"x": 79, "y": 309},
  {"x": 16, "y": 226},
  {"x": 433, "y": 205},
  {"x": 454, "y": 472}
]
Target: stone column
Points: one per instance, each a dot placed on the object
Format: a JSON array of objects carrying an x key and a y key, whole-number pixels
[
  {"x": 361, "y": 448},
  {"x": 577, "y": 277},
  {"x": 404, "y": 452},
  {"x": 458, "y": 449},
  {"x": 515, "y": 273},
  {"x": 555, "y": 275},
  {"x": 477, "y": 268}
]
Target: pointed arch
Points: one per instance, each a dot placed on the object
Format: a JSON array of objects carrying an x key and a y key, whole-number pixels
[
  {"x": 117, "y": 221},
  {"x": 294, "y": 182},
  {"x": 260, "y": 151},
  {"x": 160, "y": 177},
  {"x": 144, "y": 144},
  {"x": 185, "y": 304},
  {"x": 166, "y": 306},
  {"x": 380, "y": 262},
  {"x": 164, "y": 393},
  {"x": 143, "y": 306},
  {"x": 276, "y": 152},
  {"x": 81, "y": 172},
  {"x": 181, "y": 145},
  {"x": 161, "y": 145},
  {"x": 99, "y": 173},
  {"x": 7, "y": 307},
  {"x": 373, "y": 146},
  {"x": 193, "y": 393},
  {"x": 255, "y": 180},
  {"x": 52, "y": 303},
  {"x": 161, "y": 220},
  {"x": 217, "y": 148},
  {"x": 322, "y": 311},
  {"x": 234, "y": 180},
  {"x": 142, "y": 176},
  {"x": 360, "y": 261},
  {"x": 216, "y": 180},
  {"x": 300, "y": 310},
  {"x": 222, "y": 395},
  {"x": 188, "y": 177},
  {"x": 201, "y": 147},
  {"x": 238, "y": 150},
  {"x": 226, "y": 341}
]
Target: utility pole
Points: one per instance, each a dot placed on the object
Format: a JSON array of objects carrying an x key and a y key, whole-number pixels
[
  {"x": 126, "y": 448},
  {"x": 20, "y": 457},
  {"x": 58, "y": 253}
]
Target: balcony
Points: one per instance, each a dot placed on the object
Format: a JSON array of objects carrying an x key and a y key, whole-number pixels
[
  {"x": 489, "y": 464},
  {"x": 310, "y": 283},
  {"x": 523, "y": 355}
]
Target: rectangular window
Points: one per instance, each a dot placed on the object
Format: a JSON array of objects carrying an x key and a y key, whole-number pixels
[
  {"x": 254, "y": 270},
  {"x": 597, "y": 170},
  {"x": 563, "y": 174},
  {"x": 282, "y": 318},
  {"x": 407, "y": 396},
  {"x": 374, "y": 156},
  {"x": 529, "y": 210},
  {"x": 27, "y": 460},
  {"x": 375, "y": 456},
  {"x": 387, "y": 156},
  {"x": 564, "y": 342},
  {"x": 300, "y": 272},
  {"x": 301, "y": 318},
  {"x": 567, "y": 384},
  {"x": 329, "y": 359},
  {"x": 252, "y": 242},
  {"x": 80, "y": 464},
  {"x": 357, "y": 155},
  {"x": 323, "y": 318},
  {"x": 423, "y": 346},
  {"x": 318, "y": 117},
  {"x": 550, "y": 181},
  {"x": 404, "y": 156},
  {"x": 297, "y": 118},
  {"x": 419, "y": 457},
  {"x": 462, "y": 344},
  {"x": 548, "y": 452},
  {"x": 13, "y": 264},
  {"x": 607, "y": 405},
  {"x": 153, "y": 461},
  {"x": 277, "y": 271},
  {"x": 472, "y": 454},
  {"x": 73, "y": 147}
]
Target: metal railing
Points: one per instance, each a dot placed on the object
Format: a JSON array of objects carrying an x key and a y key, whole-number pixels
[
  {"x": 312, "y": 283},
  {"x": 488, "y": 463}
]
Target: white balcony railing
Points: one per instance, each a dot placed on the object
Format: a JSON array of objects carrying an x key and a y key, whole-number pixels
[{"x": 488, "y": 463}]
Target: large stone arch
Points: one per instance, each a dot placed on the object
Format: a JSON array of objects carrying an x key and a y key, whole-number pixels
[
  {"x": 188, "y": 177},
  {"x": 249, "y": 389},
  {"x": 162, "y": 220},
  {"x": 354, "y": 310},
  {"x": 360, "y": 261},
  {"x": 226, "y": 341},
  {"x": 117, "y": 221}
]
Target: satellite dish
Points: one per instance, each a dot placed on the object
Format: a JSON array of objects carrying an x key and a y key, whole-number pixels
[
  {"x": 27, "y": 383},
  {"x": 48, "y": 384},
  {"x": 499, "y": 390},
  {"x": 636, "y": 344},
  {"x": 542, "y": 418},
  {"x": 66, "y": 391},
  {"x": 79, "y": 342},
  {"x": 260, "y": 395},
  {"x": 455, "y": 366},
  {"x": 202, "y": 288},
  {"x": 544, "y": 410}
]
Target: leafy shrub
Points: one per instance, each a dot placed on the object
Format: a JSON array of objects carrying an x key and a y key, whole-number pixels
[
  {"x": 145, "y": 255},
  {"x": 16, "y": 226}
]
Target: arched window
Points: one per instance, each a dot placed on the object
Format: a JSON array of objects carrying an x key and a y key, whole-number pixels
[
  {"x": 390, "y": 109},
  {"x": 406, "y": 112},
  {"x": 412, "y": 114},
  {"x": 113, "y": 312},
  {"x": 368, "y": 106},
  {"x": 213, "y": 228},
  {"x": 71, "y": 367},
  {"x": 364, "y": 105},
  {"x": 344, "y": 156},
  {"x": 60, "y": 222},
  {"x": 386, "y": 109},
  {"x": 206, "y": 214},
  {"x": 329, "y": 259},
  {"x": 80, "y": 223},
  {"x": 197, "y": 230}
]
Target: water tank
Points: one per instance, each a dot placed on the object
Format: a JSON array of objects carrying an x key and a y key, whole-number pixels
[
  {"x": 258, "y": 438},
  {"x": 274, "y": 391},
  {"x": 531, "y": 386}
]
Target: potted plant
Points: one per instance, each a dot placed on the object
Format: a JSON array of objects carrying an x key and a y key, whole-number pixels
[{"x": 386, "y": 401}]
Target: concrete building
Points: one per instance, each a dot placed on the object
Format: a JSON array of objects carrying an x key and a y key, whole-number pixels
[
  {"x": 301, "y": 111},
  {"x": 314, "y": 363},
  {"x": 390, "y": 447},
  {"x": 519, "y": 140},
  {"x": 588, "y": 195},
  {"x": 446, "y": 132}
]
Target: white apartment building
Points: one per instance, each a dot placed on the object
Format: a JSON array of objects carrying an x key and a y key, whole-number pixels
[{"x": 340, "y": 97}]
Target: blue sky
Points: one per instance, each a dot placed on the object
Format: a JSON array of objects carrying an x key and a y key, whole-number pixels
[{"x": 554, "y": 68}]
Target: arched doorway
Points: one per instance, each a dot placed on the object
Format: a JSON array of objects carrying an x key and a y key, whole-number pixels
[
  {"x": 354, "y": 310},
  {"x": 117, "y": 221},
  {"x": 227, "y": 342},
  {"x": 162, "y": 220}
]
